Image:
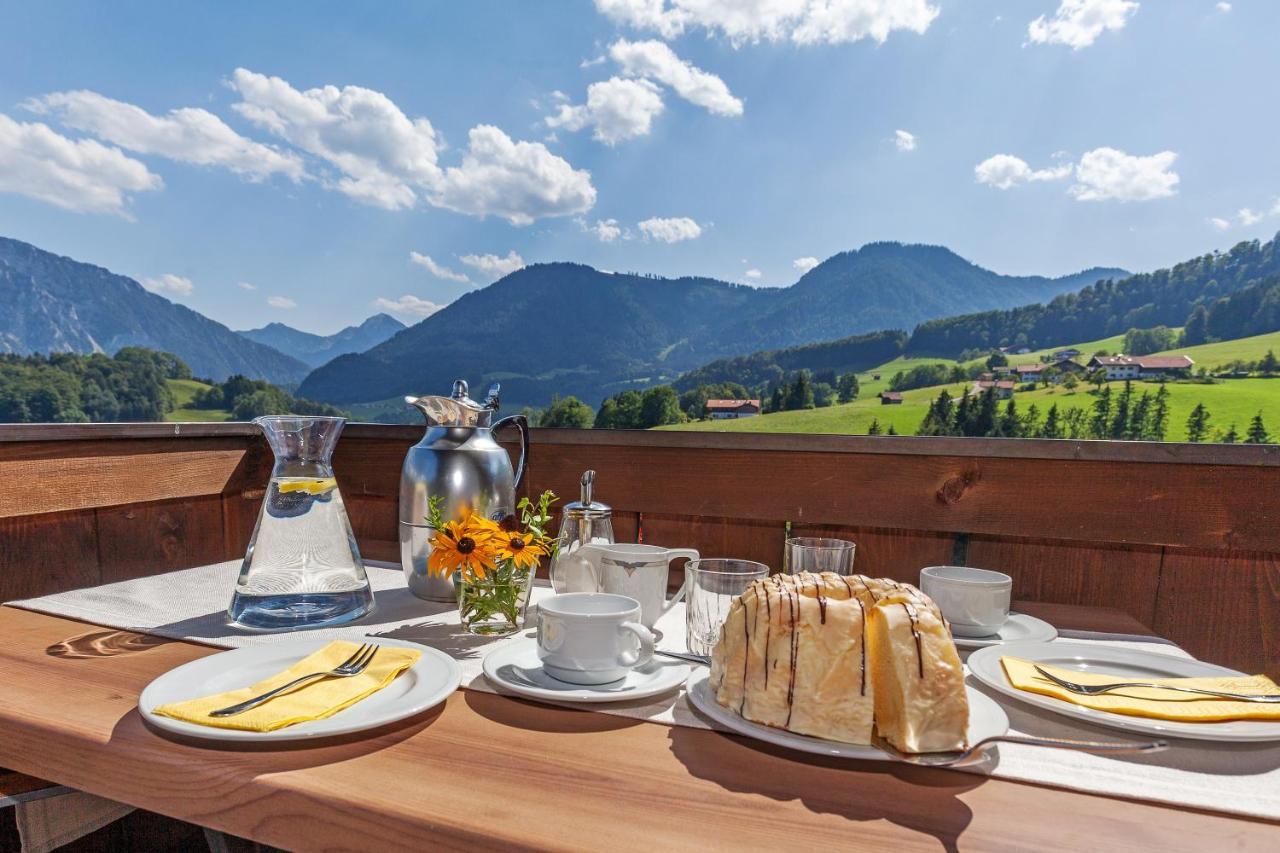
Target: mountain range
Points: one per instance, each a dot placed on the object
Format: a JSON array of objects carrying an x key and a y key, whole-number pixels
[
  {"x": 314, "y": 350},
  {"x": 568, "y": 329},
  {"x": 56, "y": 304}
]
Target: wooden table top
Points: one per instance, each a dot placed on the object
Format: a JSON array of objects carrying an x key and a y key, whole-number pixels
[{"x": 487, "y": 772}]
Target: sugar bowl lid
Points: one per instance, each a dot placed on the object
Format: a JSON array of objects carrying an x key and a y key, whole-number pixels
[{"x": 585, "y": 507}]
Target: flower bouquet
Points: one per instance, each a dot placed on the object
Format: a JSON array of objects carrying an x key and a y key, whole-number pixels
[{"x": 492, "y": 562}]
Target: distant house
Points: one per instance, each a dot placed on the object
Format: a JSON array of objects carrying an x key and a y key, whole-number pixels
[
  {"x": 1029, "y": 372},
  {"x": 891, "y": 398},
  {"x": 1019, "y": 350},
  {"x": 1003, "y": 387},
  {"x": 1066, "y": 365},
  {"x": 720, "y": 410},
  {"x": 1070, "y": 352},
  {"x": 1142, "y": 366}
]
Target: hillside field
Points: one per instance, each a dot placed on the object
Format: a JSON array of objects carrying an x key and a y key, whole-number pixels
[
  {"x": 1229, "y": 401},
  {"x": 184, "y": 391}
]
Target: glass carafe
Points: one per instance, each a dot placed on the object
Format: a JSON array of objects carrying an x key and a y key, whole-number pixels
[{"x": 303, "y": 568}]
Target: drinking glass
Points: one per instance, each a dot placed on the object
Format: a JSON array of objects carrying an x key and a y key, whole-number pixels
[
  {"x": 302, "y": 568},
  {"x": 814, "y": 554},
  {"x": 712, "y": 587}
]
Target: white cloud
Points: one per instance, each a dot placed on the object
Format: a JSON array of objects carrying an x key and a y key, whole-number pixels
[
  {"x": 606, "y": 230},
  {"x": 1223, "y": 7},
  {"x": 1004, "y": 171},
  {"x": 437, "y": 270},
  {"x": 281, "y": 302},
  {"x": 618, "y": 109},
  {"x": 805, "y": 264},
  {"x": 1106, "y": 173},
  {"x": 904, "y": 140},
  {"x": 494, "y": 267},
  {"x": 244, "y": 285},
  {"x": 169, "y": 284},
  {"x": 80, "y": 175},
  {"x": 1078, "y": 23},
  {"x": 516, "y": 181},
  {"x": 670, "y": 229},
  {"x": 800, "y": 21},
  {"x": 1275, "y": 208},
  {"x": 1248, "y": 217},
  {"x": 753, "y": 274},
  {"x": 408, "y": 306},
  {"x": 655, "y": 60},
  {"x": 187, "y": 135},
  {"x": 388, "y": 160},
  {"x": 1219, "y": 223}
]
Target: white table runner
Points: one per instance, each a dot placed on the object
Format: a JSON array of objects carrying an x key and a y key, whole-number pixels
[{"x": 191, "y": 604}]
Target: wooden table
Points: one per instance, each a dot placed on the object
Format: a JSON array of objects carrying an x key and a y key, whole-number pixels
[{"x": 488, "y": 772}]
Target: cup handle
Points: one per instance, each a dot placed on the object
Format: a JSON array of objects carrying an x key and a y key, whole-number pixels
[
  {"x": 647, "y": 641},
  {"x": 672, "y": 555}
]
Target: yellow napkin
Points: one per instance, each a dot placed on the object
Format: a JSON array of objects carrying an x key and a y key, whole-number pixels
[
  {"x": 1152, "y": 702},
  {"x": 315, "y": 701}
]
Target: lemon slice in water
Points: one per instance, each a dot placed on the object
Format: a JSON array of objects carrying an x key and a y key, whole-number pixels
[{"x": 310, "y": 487}]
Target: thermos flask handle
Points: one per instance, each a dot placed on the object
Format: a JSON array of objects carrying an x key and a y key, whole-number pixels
[{"x": 522, "y": 424}]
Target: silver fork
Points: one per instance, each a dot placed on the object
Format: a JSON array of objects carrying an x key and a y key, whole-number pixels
[
  {"x": 1095, "y": 689},
  {"x": 950, "y": 759},
  {"x": 353, "y": 665}
]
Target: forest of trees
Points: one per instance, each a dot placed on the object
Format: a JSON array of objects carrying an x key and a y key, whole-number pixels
[
  {"x": 247, "y": 399},
  {"x": 72, "y": 388},
  {"x": 1166, "y": 297}
]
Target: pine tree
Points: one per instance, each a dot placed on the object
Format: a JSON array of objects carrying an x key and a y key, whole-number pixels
[
  {"x": 1269, "y": 365},
  {"x": 891, "y": 431},
  {"x": 1030, "y": 425},
  {"x": 1099, "y": 424},
  {"x": 847, "y": 385},
  {"x": 984, "y": 423},
  {"x": 1052, "y": 426},
  {"x": 1120, "y": 419},
  {"x": 940, "y": 418},
  {"x": 1009, "y": 422},
  {"x": 1074, "y": 423},
  {"x": 1159, "y": 424},
  {"x": 1257, "y": 433},
  {"x": 874, "y": 429},
  {"x": 1198, "y": 423},
  {"x": 1139, "y": 418},
  {"x": 964, "y": 415},
  {"x": 1196, "y": 330},
  {"x": 1231, "y": 436}
]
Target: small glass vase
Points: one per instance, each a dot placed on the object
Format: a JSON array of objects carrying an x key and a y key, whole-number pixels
[{"x": 494, "y": 605}]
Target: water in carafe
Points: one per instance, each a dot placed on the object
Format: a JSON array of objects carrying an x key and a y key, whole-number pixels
[{"x": 303, "y": 567}]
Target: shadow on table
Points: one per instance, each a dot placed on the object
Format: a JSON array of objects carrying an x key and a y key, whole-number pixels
[
  {"x": 104, "y": 643},
  {"x": 1196, "y": 756},
  {"x": 536, "y": 716},
  {"x": 917, "y": 798}
]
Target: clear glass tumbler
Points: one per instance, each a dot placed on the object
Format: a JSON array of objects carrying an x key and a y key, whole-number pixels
[
  {"x": 712, "y": 586},
  {"x": 814, "y": 554},
  {"x": 303, "y": 567}
]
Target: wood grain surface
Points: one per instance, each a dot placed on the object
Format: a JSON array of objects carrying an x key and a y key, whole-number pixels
[{"x": 488, "y": 772}]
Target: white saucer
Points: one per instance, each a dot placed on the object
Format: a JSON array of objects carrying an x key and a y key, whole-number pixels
[
  {"x": 1019, "y": 627},
  {"x": 425, "y": 684},
  {"x": 515, "y": 668},
  {"x": 1138, "y": 664},
  {"x": 986, "y": 719}
]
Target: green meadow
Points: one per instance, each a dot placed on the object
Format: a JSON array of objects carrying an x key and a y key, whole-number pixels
[{"x": 184, "y": 392}]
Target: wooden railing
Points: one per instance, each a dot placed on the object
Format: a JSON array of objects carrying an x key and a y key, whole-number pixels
[{"x": 1185, "y": 538}]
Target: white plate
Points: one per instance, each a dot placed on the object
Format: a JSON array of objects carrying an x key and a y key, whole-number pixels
[
  {"x": 425, "y": 684},
  {"x": 986, "y": 719},
  {"x": 985, "y": 666},
  {"x": 1019, "y": 627},
  {"x": 515, "y": 668}
]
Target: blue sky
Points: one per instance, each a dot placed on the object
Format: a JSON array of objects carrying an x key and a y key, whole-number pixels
[{"x": 1044, "y": 136}]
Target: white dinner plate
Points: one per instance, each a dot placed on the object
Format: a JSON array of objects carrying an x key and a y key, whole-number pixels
[
  {"x": 515, "y": 668},
  {"x": 985, "y": 666},
  {"x": 425, "y": 684},
  {"x": 986, "y": 719},
  {"x": 1019, "y": 627}
]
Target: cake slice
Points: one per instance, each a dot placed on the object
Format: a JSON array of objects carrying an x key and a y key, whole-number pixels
[
  {"x": 792, "y": 655},
  {"x": 918, "y": 680}
]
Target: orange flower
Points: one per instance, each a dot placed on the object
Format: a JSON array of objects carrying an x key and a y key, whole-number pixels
[
  {"x": 466, "y": 546},
  {"x": 519, "y": 548}
]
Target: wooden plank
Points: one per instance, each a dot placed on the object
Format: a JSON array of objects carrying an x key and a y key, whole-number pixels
[
  {"x": 1095, "y": 574},
  {"x": 43, "y": 554},
  {"x": 84, "y": 475},
  {"x": 717, "y": 537},
  {"x": 1222, "y": 607},
  {"x": 151, "y": 538},
  {"x": 1070, "y": 617},
  {"x": 489, "y": 772},
  {"x": 897, "y": 554}
]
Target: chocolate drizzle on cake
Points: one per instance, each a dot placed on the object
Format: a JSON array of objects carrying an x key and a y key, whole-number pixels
[
  {"x": 915, "y": 633},
  {"x": 768, "y": 629},
  {"x": 863, "y": 611},
  {"x": 793, "y": 611},
  {"x": 822, "y": 602}
]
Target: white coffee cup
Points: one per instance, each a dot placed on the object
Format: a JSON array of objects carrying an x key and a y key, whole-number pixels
[
  {"x": 975, "y": 601},
  {"x": 637, "y": 571},
  {"x": 591, "y": 637}
]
